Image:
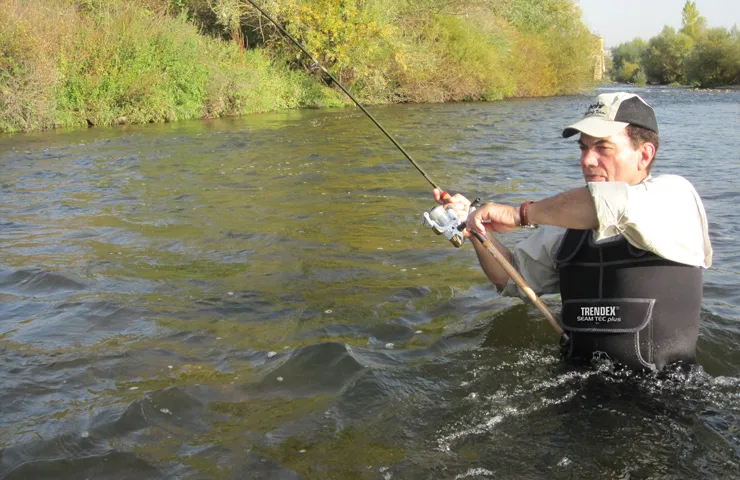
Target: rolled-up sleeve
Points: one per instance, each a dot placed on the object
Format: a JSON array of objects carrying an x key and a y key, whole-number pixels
[{"x": 663, "y": 215}]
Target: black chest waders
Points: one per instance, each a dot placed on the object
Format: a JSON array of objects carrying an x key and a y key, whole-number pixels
[{"x": 627, "y": 304}]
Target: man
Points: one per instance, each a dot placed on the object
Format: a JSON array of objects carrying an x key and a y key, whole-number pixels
[{"x": 625, "y": 252}]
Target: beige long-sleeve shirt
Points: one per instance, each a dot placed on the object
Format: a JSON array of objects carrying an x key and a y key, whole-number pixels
[{"x": 662, "y": 214}]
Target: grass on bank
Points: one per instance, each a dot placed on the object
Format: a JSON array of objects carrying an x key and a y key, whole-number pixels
[{"x": 66, "y": 64}]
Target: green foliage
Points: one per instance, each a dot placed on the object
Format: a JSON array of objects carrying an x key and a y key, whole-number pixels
[
  {"x": 450, "y": 59},
  {"x": 27, "y": 65},
  {"x": 434, "y": 50},
  {"x": 663, "y": 61},
  {"x": 639, "y": 78},
  {"x": 551, "y": 51},
  {"x": 631, "y": 52},
  {"x": 126, "y": 66},
  {"x": 627, "y": 72},
  {"x": 695, "y": 55},
  {"x": 572, "y": 49},
  {"x": 354, "y": 40},
  {"x": 101, "y": 62},
  {"x": 105, "y": 62},
  {"x": 715, "y": 59},
  {"x": 692, "y": 24},
  {"x": 539, "y": 15}
]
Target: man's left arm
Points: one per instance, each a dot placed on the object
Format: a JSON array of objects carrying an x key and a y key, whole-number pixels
[
  {"x": 663, "y": 215},
  {"x": 571, "y": 209}
]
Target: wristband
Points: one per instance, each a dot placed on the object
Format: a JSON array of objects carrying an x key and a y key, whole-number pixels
[{"x": 523, "y": 220}]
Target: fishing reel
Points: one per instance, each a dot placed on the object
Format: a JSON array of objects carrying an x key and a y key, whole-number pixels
[{"x": 444, "y": 221}]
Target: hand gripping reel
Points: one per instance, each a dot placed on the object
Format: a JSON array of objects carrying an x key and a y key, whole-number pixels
[{"x": 444, "y": 221}]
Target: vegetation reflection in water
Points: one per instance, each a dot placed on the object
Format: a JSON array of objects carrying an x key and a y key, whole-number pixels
[{"x": 274, "y": 234}]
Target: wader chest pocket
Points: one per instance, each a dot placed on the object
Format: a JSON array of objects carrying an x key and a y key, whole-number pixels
[
  {"x": 607, "y": 315},
  {"x": 621, "y": 328}
]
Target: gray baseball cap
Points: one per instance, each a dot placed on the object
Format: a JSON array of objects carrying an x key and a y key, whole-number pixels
[{"x": 611, "y": 113}]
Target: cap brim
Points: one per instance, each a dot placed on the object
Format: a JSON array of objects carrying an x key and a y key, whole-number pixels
[{"x": 594, "y": 126}]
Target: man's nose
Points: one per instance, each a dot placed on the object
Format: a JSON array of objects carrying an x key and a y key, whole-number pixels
[{"x": 588, "y": 158}]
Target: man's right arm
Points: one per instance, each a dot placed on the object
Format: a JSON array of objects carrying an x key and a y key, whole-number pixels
[{"x": 533, "y": 258}]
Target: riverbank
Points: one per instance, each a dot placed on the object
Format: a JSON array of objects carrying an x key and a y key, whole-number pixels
[
  {"x": 72, "y": 63},
  {"x": 66, "y": 66}
]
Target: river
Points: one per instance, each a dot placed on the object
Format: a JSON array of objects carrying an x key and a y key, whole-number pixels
[{"x": 258, "y": 298}]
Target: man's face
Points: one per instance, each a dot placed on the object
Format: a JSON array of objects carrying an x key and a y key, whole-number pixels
[{"x": 613, "y": 159}]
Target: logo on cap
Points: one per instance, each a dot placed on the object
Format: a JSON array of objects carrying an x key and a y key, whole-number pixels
[{"x": 596, "y": 109}]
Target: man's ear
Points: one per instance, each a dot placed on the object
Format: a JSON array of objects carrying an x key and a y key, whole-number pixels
[{"x": 647, "y": 154}]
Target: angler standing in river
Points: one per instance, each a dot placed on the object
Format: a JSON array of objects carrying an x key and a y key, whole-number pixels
[{"x": 625, "y": 252}]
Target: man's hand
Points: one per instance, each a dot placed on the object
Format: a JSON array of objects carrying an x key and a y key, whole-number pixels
[
  {"x": 457, "y": 203},
  {"x": 493, "y": 217}
]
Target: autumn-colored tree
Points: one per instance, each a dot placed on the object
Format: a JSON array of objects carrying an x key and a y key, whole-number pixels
[
  {"x": 131, "y": 61},
  {"x": 692, "y": 24}
]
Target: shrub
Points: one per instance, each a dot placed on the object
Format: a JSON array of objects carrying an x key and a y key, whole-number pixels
[
  {"x": 99, "y": 62},
  {"x": 627, "y": 73},
  {"x": 715, "y": 59},
  {"x": 95, "y": 62},
  {"x": 434, "y": 50},
  {"x": 639, "y": 78},
  {"x": 663, "y": 60},
  {"x": 31, "y": 38}
]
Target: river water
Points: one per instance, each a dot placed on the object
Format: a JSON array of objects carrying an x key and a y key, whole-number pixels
[{"x": 258, "y": 298}]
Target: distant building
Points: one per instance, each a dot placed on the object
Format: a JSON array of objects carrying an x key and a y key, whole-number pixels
[{"x": 599, "y": 59}]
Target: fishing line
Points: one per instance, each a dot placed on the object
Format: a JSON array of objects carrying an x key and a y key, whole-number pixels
[
  {"x": 318, "y": 65},
  {"x": 377, "y": 157},
  {"x": 442, "y": 220}
]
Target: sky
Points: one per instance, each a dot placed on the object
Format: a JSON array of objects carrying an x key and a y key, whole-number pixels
[{"x": 618, "y": 21}]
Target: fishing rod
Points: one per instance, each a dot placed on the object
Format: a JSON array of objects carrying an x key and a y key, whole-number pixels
[
  {"x": 317, "y": 64},
  {"x": 443, "y": 221},
  {"x": 521, "y": 283}
]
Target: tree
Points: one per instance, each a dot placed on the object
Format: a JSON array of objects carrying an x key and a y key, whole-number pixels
[
  {"x": 627, "y": 73},
  {"x": 715, "y": 59},
  {"x": 628, "y": 52},
  {"x": 663, "y": 60},
  {"x": 627, "y": 58},
  {"x": 692, "y": 24}
]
